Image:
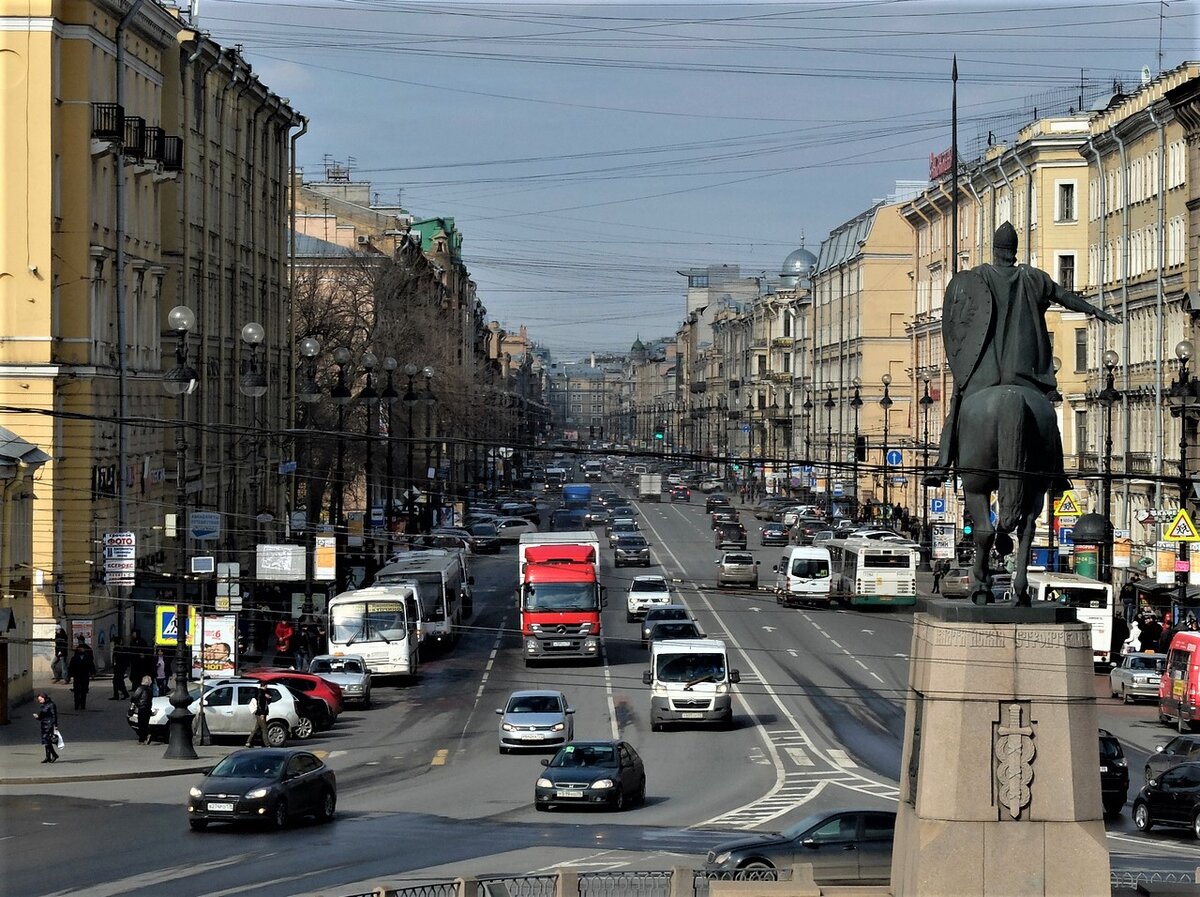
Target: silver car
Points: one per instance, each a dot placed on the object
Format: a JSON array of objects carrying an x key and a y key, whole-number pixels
[
  {"x": 737, "y": 568},
  {"x": 348, "y": 671},
  {"x": 1138, "y": 676},
  {"x": 535, "y": 719}
]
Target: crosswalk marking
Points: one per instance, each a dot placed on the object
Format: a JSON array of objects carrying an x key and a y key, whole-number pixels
[{"x": 841, "y": 759}]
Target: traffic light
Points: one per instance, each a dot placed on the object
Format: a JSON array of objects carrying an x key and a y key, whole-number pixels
[
  {"x": 658, "y": 431},
  {"x": 968, "y": 524},
  {"x": 860, "y": 448},
  {"x": 591, "y": 432}
]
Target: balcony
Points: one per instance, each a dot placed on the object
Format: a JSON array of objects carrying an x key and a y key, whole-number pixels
[
  {"x": 760, "y": 343},
  {"x": 783, "y": 342},
  {"x": 780, "y": 376},
  {"x": 152, "y": 144},
  {"x": 108, "y": 127},
  {"x": 734, "y": 415},
  {"x": 735, "y": 384},
  {"x": 135, "y": 139},
  {"x": 172, "y": 155},
  {"x": 699, "y": 386}
]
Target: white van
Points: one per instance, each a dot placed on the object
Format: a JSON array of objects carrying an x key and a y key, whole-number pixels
[
  {"x": 689, "y": 682},
  {"x": 803, "y": 575}
]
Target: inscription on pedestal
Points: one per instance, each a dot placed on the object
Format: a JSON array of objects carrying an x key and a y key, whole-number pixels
[
  {"x": 1013, "y": 750},
  {"x": 1053, "y": 638},
  {"x": 969, "y": 638}
]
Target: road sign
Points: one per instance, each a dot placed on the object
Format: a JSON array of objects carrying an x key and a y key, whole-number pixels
[
  {"x": 937, "y": 506},
  {"x": 895, "y": 458},
  {"x": 1067, "y": 506},
  {"x": 745, "y": 428},
  {"x": 165, "y": 632},
  {"x": 1066, "y": 535},
  {"x": 1182, "y": 529},
  {"x": 204, "y": 525},
  {"x": 838, "y": 489}
]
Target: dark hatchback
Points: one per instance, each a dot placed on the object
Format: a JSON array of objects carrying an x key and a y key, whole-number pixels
[
  {"x": 730, "y": 535},
  {"x": 592, "y": 773},
  {"x": 1173, "y": 799},
  {"x": 843, "y": 846},
  {"x": 1114, "y": 773},
  {"x": 264, "y": 785},
  {"x": 485, "y": 538}
]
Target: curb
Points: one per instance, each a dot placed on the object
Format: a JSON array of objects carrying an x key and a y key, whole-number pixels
[{"x": 105, "y": 777}]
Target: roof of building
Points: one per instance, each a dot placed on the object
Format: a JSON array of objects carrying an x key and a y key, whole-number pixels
[{"x": 315, "y": 247}]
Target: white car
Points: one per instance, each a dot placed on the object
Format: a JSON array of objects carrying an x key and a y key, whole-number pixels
[
  {"x": 349, "y": 671},
  {"x": 645, "y": 592},
  {"x": 511, "y": 529},
  {"x": 227, "y": 710}
]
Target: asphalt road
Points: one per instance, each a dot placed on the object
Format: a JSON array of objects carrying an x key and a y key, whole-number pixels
[{"x": 424, "y": 792}]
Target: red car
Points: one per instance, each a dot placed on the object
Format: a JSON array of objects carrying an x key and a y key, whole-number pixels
[{"x": 305, "y": 683}]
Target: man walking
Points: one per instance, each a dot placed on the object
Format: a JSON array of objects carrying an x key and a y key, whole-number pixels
[
  {"x": 120, "y": 658},
  {"x": 260, "y": 706},
  {"x": 938, "y": 572},
  {"x": 79, "y": 673}
]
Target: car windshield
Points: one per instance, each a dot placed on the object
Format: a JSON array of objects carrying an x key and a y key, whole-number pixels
[
  {"x": 1110, "y": 749},
  {"x": 739, "y": 559},
  {"x": 483, "y": 529},
  {"x": 367, "y": 621},
  {"x": 648, "y": 585},
  {"x": 533, "y": 704},
  {"x": 666, "y": 613},
  {"x": 674, "y": 630},
  {"x": 577, "y": 755},
  {"x": 631, "y": 542},
  {"x": 690, "y": 668},
  {"x": 810, "y": 568},
  {"x": 559, "y": 596},
  {"x": 249, "y": 766},
  {"x": 1155, "y": 664}
]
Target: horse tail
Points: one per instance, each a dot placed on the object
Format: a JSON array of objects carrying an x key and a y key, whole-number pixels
[{"x": 1014, "y": 429}]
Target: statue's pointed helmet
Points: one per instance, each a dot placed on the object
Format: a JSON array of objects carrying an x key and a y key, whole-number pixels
[{"x": 1005, "y": 238}]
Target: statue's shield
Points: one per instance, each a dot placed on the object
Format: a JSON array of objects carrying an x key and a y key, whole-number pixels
[{"x": 966, "y": 319}]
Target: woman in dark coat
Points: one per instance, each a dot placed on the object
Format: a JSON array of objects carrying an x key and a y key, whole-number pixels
[
  {"x": 47, "y": 717},
  {"x": 142, "y": 698}
]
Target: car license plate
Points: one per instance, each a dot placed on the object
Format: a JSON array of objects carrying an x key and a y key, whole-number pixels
[
  {"x": 691, "y": 714},
  {"x": 571, "y": 793},
  {"x": 1104, "y": 769},
  {"x": 560, "y": 644},
  {"x": 220, "y": 808},
  {"x": 532, "y": 736}
]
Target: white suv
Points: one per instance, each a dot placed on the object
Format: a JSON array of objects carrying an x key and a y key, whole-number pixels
[
  {"x": 227, "y": 710},
  {"x": 645, "y": 592}
]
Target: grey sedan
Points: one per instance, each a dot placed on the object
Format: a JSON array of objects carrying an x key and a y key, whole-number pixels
[
  {"x": 1138, "y": 676},
  {"x": 535, "y": 719},
  {"x": 347, "y": 671},
  {"x": 737, "y": 568}
]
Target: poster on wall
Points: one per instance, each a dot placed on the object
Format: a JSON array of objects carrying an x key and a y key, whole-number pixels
[
  {"x": 86, "y": 628},
  {"x": 1122, "y": 550},
  {"x": 218, "y": 636}
]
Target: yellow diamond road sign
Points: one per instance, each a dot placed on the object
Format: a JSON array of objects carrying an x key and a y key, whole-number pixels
[
  {"x": 1182, "y": 529},
  {"x": 1067, "y": 506}
]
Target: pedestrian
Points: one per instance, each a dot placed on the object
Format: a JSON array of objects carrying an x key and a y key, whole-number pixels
[
  {"x": 120, "y": 659},
  {"x": 1129, "y": 598},
  {"x": 139, "y": 658},
  {"x": 160, "y": 671},
  {"x": 47, "y": 717},
  {"x": 1133, "y": 643},
  {"x": 58, "y": 666},
  {"x": 143, "y": 700},
  {"x": 937, "y": 578},
  {"x": 260, "y": 706},
  {"x": 283, "y": 637},
  {"x": 1151, "y": 633},
  {"x": 1120, "y": 632},
  {"x": 305, "y": 640},
  {"x": 79, "y": 673}
]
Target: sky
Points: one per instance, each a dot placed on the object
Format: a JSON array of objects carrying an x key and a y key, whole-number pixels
[{"x": 590, "y": 152}]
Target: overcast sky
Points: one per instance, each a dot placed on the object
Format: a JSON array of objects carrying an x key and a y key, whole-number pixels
[{"x": 589, "y": 152}]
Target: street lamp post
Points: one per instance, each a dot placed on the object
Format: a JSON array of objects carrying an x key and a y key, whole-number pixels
[
  {"x": 807, "y": 411},
  {"x": 886, "y": 404},
  {"x": 430, "y": 401},
  {"x": 856, "y": 403},
  {"x": 1108, "y": 397},
  {"x": 180, "y": 381},
  {"x": 410, "y": 402},
  {"x": 1052, "y": 557},
  {"x": 309, "y": 393},
  {"x": 253, "y": 385},
  {"x": 1182, "y": 392},
  {"x": 389, "y": 397},
  {"x": 926, "y": 536},
  {"x": 340, "y": 394},
  {"x": 369, "y": 396},
  {"x": 829, "y": 404}
]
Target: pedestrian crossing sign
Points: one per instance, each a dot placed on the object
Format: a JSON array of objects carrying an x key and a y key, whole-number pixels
[
  {"x": 165, "y": 627},
  {"x": 1182, "y": 529},
  {"x": 1067, "y": 506}
]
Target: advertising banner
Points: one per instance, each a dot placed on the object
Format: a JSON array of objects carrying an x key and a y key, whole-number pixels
[
  {"x": 1164, "y": 562},
  {"x": 1122, "y": 551},
  {"x": 218, "y": 640},
  {"x": 325, "y": 557},
  {"x": 943, "y": 541}
]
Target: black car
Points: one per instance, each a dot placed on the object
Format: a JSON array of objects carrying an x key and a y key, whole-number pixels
[
  {"x": 1114, "y": 774},
  {"x": 716, "y": 500},
  {"x": 315, "y": 715},
  {"x": 485, "y": 538},
  {"x": 843, "y": 846},
  {"x": 631, "y": 550},
  {"x": 730, "y": 535},
  {"x": 264, "y": 785},
  {"x": 674, "y": 629},
  {"x": 774, "y": 534},
  {"x": 664, "y": 613},
  {"x": 724, "y": 515},
  {"x": 1173, "y": 799},
  {"x": 591, "y": 773},
  {"x": 1181, "y": 749}
]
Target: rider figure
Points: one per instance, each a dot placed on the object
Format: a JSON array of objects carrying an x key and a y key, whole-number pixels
[{"x": 1006, "y": 344}]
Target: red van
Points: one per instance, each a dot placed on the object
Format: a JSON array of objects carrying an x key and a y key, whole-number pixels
[{"x": 1179, "y": 692}]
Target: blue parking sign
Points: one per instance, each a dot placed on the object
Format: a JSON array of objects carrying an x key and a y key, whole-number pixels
[{"x": 937, "y": 506}]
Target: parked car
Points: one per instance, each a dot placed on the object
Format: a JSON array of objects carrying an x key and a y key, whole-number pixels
[
  {"x": 535, "y": 719},
  {"x": 1181, "y": 749},
  {"x": 956, "y": 583},
  {"x": 681, "y": 493},
  {"x": 511, "y": 529},
  {"x": 329, "y": 692},
  {"x": 1172, "y": 799},
  {"x": 349, "y": 672},
  {"x": 667, "y": 614},
  {"x": 773, "y": 534},
  {"x": 673, "y": 629},
  {"x": 843, "y": 847},
  {"x": 1114, "y": 773},
  {"x": 645, "y": 592},
  {"x": 271, "y": 786},
  {"x": 589, "y": 773},
  {"x": 227, "y": 711},
  {"x": 485, "y": 538},
  {"x": 730, "y": 535},
  {"x": 1138, "y": 675},
  {"x": 716, "y": 500},
  {"x": 737, "y": 568},
  {"x": 631, "y": 550}
]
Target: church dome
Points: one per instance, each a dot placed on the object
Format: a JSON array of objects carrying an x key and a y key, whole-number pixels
[{"x": 797, "y": 267}]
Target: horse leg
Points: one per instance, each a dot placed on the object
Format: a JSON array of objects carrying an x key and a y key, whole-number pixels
[
  {"x": 1020, "y": 581},
  {"x": 979, "y": 507}
]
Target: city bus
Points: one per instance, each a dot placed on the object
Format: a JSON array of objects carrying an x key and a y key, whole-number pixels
[
  {"x": 870, "y": 572},
  {"x": 380, "y": 623},
  {"x": 441, "y": 584},
  {"x": 1092, "y": 600}
]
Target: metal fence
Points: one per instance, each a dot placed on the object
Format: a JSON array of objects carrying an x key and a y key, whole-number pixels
[{"x": 1129, "y": 881}]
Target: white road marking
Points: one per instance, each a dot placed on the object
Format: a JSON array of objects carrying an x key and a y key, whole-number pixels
[
  {"x": 793, "y": 652},
  {"x": 799, "y": 757},
  {"x": 769, "y": 628},
  {"x": 608, "y": 691},
  {"x": 841, "y": 758},
  {"x": 487, "y": 672}
]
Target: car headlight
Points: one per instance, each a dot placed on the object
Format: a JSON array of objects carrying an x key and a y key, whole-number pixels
[
  {"x": 601, "y": 784},
  {"x": 1121, "y": 762},
  {"x": 659, "y": 690},
  {"x": 507, "y": 727},
  {"x": 558, "y": 727},
  {"x": 722, "y": 688},
  {"x": 196, "y": 792},
  {"x": 535, "y": 627},
  {"x": 722, "y": 858},
  {"x": 544, "y": 783},
  {"x": 257, "y": 793}
]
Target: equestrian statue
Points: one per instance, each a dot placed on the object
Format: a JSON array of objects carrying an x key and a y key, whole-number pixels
[{"x": 1001, "y": 431}]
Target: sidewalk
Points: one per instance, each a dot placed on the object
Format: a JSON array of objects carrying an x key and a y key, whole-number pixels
[{"x": 100, "y": 746}]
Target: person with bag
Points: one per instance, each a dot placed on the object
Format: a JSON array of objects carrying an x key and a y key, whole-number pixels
[
  {"x": 260, "y": 706},
  {"x": 47, "y": 717},
  {"x": 141, "y": 701}
]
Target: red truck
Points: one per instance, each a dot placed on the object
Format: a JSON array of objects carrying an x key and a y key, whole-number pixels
[{"x": 560, "y": 598}]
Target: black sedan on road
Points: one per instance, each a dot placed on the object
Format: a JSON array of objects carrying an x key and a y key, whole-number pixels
[
  {"x": 774, "y": 534},
  {"x": 591, "y": 773},
  {"x": 1173, "y": 799},
  {"x": 265, "y": 785},
  {"x": 843, "y": 846}
]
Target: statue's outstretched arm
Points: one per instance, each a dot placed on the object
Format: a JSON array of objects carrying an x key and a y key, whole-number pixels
[{"x": 1075, "y": 302}]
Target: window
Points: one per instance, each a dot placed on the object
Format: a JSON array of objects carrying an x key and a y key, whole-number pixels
[
  {"x": 1064, "y": 205},
  {"x": 1080, "y": 349},
  {"x": 1081, "y": 431},
  {"x": 698, "y": 280},
  {"x": 1066, "y": 271},
  {"x": 220, "y": 697}
]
